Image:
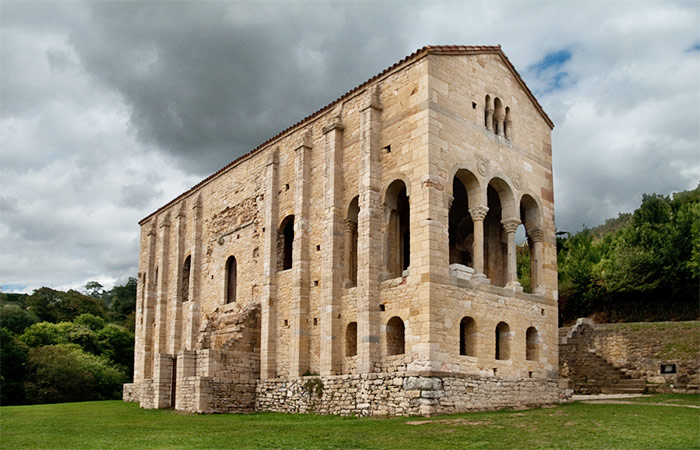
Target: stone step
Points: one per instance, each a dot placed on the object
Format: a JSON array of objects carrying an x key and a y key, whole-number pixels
[
  {"x": 621, "y": 390},
  {"x": 631, "y": 382}
]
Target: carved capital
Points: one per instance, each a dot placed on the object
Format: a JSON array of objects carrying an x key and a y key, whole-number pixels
[
  {"x": 350, "y": 226},
  {"x": 510, "y": 225},
  {"x": 478, "y": 213},
  {"x": 450, "y": 200},
  {"x": 536, "y": 234}
]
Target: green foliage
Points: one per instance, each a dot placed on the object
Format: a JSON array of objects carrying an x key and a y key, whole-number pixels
[
  {"x": 117, "y": 344},
  {"x": 70, "y": 320},
  {"x": 92, "y": 322},
  {"x": 13, "y": 357},
  {"x": 522, "y": 254},
  {"x": 646, "y": 269},
  {"x": 44, "y": 333},
  {"x": 16, "y": 319},
  {"x": 55, "y": 306},
  {"x": 123, "y": 300},
  {"x": 64, "y": 372}
]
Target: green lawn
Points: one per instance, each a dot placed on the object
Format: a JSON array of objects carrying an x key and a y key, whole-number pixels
[{"x": 115, "y": 424}]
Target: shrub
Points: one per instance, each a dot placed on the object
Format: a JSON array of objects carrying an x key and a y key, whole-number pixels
[{"x": 64, "y": 372}]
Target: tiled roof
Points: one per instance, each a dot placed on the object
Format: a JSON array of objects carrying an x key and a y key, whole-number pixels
[{"x": 418, "y": 54}]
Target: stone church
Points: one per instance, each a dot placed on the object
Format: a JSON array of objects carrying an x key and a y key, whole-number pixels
[{"x": 363, "y": 261}]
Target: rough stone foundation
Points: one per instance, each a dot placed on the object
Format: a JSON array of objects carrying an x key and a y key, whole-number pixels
[{"x": 402, "y": 395}]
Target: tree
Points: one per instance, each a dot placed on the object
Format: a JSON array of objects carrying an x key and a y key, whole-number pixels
[
  {"x": 94, "y": 289},
  {"x": 64, "y": 372},
  {"x": 16, "y": 319},
  {"x": 55, "y": 306},
  {"x": 13, "y": 358},
  {"x": 123, "y": 299},
  {"x": 117, "y": 344}
]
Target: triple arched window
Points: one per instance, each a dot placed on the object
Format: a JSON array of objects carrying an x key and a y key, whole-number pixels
[{"x": 497, "y": 117}]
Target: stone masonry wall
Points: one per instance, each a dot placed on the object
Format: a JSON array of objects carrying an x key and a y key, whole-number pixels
[
  {"x": 636, "y": 350},
  {"x": 639, "y": 349},
  {"x": 403, "y": 395}
]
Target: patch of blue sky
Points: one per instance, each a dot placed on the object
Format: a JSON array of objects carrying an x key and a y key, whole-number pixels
[
  {"x": 11, "y": 288},
  {"x": 695, "y": 47},
  {"x": 550, "y": 71}
]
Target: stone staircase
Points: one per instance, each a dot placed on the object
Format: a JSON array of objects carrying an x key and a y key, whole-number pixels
[{"x": 589, "y": 373}]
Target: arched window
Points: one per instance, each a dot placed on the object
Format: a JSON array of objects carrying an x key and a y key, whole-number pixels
[
  {"x": 500, "y": 204},
  {"x": 285, "y": 242},
  {"x": 502, "y": 341},
  {"x": 231, "y": 279},
  {"x": 351, "y": 339},
  {"x": 351, "y": 243},
  {"x": 186, "y": 279},
  {"x": 467, "y": 337},
  {"x": 532, "y": 344},
  {"x": 395, "y": 338},
  {"x": 398, "y": 241},
  {"x": 461, "y": 225}
]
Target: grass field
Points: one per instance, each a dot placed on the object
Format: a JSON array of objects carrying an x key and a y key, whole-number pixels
[{"x": 115, "y": 424}]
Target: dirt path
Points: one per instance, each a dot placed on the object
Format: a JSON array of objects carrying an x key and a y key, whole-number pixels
[{"x": 623, "y": 402}]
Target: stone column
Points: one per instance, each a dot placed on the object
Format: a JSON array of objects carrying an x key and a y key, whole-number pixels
[
  {"x": 299, "y": 311},
  {"x": 268, "y": 325},
  {"x": 478, "y": 214},
  {"x": 191, "y": 322},
  {"x": 510, "y": 226},
  {"x": 489, "y": 114},
  {"x": 536, "y": 237},
  {"x": 369, "y": 233},
  {"x": 350, "y": 273},
  {"x": 162, "y": 288},
  {"x": 499, "y": 123},
  {"x": 508, "y": 126},
  {"x": 331, "y": 276}
]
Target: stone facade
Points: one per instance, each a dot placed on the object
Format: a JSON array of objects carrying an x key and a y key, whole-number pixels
[
  {"x": 366, "y": 247},
  {"x": 632, "y": 350}
]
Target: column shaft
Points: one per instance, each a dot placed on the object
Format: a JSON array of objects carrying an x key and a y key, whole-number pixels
[{"x": 268, "y": 330}]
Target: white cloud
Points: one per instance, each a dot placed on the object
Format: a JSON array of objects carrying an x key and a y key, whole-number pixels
[{"x": 109, "y": 110}]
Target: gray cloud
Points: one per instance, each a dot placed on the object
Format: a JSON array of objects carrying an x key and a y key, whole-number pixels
[{"x": 110, "y": 109}]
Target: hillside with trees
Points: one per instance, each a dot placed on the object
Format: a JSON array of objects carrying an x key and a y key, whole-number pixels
[
  {"x": 60, "y": 346},
  {"x": 643, "y": 266}
]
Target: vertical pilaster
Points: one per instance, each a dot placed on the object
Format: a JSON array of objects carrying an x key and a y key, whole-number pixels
[
  {"x": 269, "y": 288},
  {"x": 149, "y": 308},
  {"x": 191, "y": 323},
  {"x": 369, "y": 233},
  {"x": 174, "y": 330},
  {"x": 331, "y": 276},
  {"x": 162, "y": 288},
  {"x": 299, "y": 346},
  {"x": 478, "y": 214},
  {"x": 510, "y": 226}
]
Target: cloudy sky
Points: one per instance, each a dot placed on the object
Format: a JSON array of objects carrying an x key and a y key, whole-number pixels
[{"x": 109, "y": 110}]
